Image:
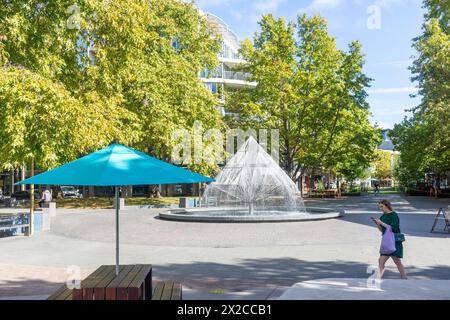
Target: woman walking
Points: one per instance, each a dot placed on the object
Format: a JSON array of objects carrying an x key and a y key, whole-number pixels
[{"x": 390, "y": 217}]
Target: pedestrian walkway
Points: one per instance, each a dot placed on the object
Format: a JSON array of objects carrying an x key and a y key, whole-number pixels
[
  {"x": 225, "y": 261},
  {"x": 366, "y": 289}
]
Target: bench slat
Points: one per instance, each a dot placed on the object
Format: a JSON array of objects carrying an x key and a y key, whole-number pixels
[
  {"x": 127, "y": 292},
  {"x": 128, "y": 279},
  {"x": 86, "y": 291},
  {"x": 63, "y": 293},
  {"x": 112, "y": 287},
  {"x": 100, "y": 287},
  {"x": 66, "y": 295},
  {"x": 140, "y": 277},
  {"x": 158, "y": 291},
  {"x": 141, "y": 285},
  {"x": 57, "y": 293},
  {"x": 176, "y": 292},
  {"x": 167, "y": 291}
]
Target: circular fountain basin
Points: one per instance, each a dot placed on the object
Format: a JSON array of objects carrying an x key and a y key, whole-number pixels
[{"x": 233, "y": 215}]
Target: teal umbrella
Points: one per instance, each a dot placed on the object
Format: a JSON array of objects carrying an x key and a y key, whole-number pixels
[{"x": 116, "y": 165}]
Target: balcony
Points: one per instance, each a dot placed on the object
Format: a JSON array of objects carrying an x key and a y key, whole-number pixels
[
  {"x": 233, "y": 75},
  {"x": 228, "y": 54}
]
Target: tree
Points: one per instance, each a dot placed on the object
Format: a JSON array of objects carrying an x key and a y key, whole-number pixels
[
  {"x": 382, "y": 165},
  {"x": 422, "y": 138},
  {"x": 310, "y": 90},
  {"x": 157, "y": 80},
  {"x": 43, "y": 122},
  {"x": 118, "y": 58}
]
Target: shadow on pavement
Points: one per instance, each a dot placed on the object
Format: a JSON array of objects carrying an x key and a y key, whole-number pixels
[
  {"x": 257, "y": 273},
  {"x": 250, "y": 274},
  {"x": 413, "y": 224},
  {"x": 26, "y": 287}
]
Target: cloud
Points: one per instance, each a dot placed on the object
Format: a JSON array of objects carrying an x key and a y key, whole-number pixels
[
  {"x": 318, "y": 5},
  {"x": 393, "y": 90}
]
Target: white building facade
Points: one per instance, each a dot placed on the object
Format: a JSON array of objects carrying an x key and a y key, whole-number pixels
[{"x": 225, "y": 78}]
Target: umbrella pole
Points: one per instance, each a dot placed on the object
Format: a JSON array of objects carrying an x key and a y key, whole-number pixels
[{"x": 116, "y": 199}]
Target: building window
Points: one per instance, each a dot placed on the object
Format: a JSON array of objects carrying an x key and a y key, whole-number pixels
[{"x": 213, "y": 87}]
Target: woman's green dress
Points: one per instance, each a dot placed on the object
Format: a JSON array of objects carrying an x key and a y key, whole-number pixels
[{"x": 393, "y": 220}]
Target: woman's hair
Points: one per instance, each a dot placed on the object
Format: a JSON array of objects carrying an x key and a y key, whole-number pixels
[{"x": 387, "y": 204}]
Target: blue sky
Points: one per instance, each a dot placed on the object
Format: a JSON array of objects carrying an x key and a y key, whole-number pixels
[{"x": 384, "y": 27}]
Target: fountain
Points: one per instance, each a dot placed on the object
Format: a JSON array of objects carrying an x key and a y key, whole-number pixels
[{"x": 251, "y": 188}]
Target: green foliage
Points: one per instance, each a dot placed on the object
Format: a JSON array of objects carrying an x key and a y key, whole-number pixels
[
  {"x": 310, "y": 90},
  {"x": 3, "y": 54},
  {"x": 159, "y": 83},
  {"x": 423, "y": 138},
  {"x": 109, "y": 72},
  {"x": 439, "y": 10},
  {"x": 41, "y": 120},
  {"x": 382, "y": 165}
]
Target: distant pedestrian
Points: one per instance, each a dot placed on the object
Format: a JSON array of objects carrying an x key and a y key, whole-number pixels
[
  {"x": 390, "y": 219},
  {"x": 431, "y": 191},
  {"x": 376, "y": 187},
  {"x": 202, "y": 189},
  {"x": 155, "y": 192},
  {"x": 46, "y": 198},
  {"x": 436, "y": 187}
]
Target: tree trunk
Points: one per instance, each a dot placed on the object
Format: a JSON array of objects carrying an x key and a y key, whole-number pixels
[
  {"x": 31, "y": 198},
  {"x": 301, "y": 185},
  {"x": 311, "y": 181},
  {"x": 23, "y": 176},
  {"x": 338, "y": 185},
  {"x": 12, "y": 182}
]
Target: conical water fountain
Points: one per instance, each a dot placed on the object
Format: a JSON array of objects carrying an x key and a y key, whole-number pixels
[
  {"x": 252, "y": 183},
  {"x": 251, "y": 188}
]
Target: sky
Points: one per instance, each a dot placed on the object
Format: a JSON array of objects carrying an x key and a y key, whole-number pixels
[{"x": 384, "y": 27}]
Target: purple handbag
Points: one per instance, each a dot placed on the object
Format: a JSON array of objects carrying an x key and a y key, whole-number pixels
[{"x": 387, "y": 241}]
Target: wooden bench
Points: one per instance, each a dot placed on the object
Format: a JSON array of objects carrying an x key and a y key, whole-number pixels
[
  {"x": 163, "y": 291},
  {"x": 330, "y": 193},
  {"x": 167, "y": 291},
  {"x": 134, "y": 282},
  {"x": 63, "y": 293}
]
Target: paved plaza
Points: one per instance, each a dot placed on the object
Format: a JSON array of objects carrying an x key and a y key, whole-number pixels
[{"x": 225, "y": 261}]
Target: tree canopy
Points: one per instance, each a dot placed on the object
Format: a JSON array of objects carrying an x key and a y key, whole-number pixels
[
  {"x": 101, "y": 71},
  {"x": 312, "y": 91},
  {"x": 423, "y": 138}
]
